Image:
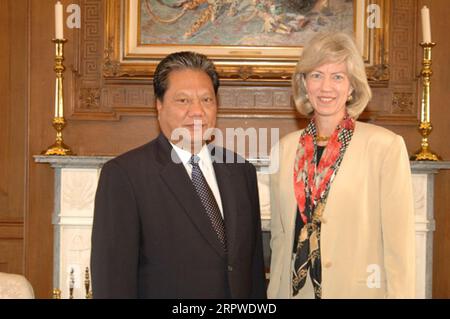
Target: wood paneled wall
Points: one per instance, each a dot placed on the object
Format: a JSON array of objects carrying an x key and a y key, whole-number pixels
[
  {"x": 13, "y": 132},
  {"x": 440, "y": 118},
  {"x": 26, "y": 188}
]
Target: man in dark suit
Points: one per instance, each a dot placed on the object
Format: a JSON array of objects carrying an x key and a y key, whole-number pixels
[{"x": 179, "y": 220}]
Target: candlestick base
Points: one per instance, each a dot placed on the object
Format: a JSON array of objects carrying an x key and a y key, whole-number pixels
[
  {"x": 56, "y": 293},
  {"x": 58, "y": 148},
  {"x": 425, "y": 154}
]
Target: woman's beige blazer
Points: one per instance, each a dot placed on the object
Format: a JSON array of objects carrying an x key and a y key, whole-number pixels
[{"x": 367, "y": 239}]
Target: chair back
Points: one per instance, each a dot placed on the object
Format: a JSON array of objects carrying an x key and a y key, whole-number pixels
[{"x": 14, "y": 286}]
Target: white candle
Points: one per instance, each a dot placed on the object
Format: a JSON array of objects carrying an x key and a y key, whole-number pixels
[
  {"x": 426, "y": 28},
  {"x": 59, "y": 29}
]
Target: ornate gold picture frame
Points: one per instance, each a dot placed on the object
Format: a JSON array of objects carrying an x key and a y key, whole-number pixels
[{"x": 128, "y": 57}]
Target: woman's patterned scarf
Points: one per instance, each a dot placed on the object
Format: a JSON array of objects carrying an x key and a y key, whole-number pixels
[{"x": 312, "y": 182}]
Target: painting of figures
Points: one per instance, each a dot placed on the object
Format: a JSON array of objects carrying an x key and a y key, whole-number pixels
[{"x": 287, "y": 23}]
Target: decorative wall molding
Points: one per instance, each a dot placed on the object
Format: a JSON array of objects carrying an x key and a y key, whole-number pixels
[
  {"x": 88, "y": 60},
  {"x": 11, "y": 245},
  {"x": 90, "y": 98},
  {"x": 11, "y": 229},
  {"x": 402, "y": 40},
  {"x": 403, "y": 103},
  {"x": 403, "y": 63}
]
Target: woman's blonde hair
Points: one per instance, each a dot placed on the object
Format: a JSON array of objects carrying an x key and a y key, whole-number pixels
[{"x": 332, "y": 47}]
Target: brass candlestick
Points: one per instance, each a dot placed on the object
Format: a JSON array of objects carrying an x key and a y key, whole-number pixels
[
  {"x": 59, "y": 148},
  {"x": 56, "y": 294},
  {"x": 87, "y": 284},
  {"x": 425, "y": 127},
  {"x": 71, "y": 284}
]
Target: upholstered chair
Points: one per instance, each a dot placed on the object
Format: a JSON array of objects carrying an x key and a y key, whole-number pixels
[{"x": 13, "y": 286}]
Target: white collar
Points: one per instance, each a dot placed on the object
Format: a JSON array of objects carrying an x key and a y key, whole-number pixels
[{"x": 185, "y": 156}]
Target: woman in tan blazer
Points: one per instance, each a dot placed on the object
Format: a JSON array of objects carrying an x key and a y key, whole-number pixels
[{"x": 342, "y": 205}]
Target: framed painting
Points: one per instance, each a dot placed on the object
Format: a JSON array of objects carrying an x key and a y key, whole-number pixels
[{"x": 249, "y": 40}]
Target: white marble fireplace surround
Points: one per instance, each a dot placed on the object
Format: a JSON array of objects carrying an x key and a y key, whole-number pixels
[{"x": 76, "y": 183}]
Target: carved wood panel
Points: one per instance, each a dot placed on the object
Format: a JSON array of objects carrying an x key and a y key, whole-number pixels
[
  {"x": 403, "y": 80},
  {"x": 11, "y": 246}
]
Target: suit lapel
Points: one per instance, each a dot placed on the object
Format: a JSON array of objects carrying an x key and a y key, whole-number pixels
[{"x": 179, "y": 183}]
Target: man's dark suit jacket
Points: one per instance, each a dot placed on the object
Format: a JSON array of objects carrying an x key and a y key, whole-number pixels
[{"x": 152, "y": 238}]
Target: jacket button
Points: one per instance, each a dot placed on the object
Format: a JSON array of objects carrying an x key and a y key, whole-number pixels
[
  {"x": 230, "y": 268},
  {"x": 328, "y": 264}
]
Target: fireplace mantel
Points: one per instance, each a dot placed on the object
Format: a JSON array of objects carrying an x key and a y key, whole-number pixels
[{"x": 75, "y": 185}]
